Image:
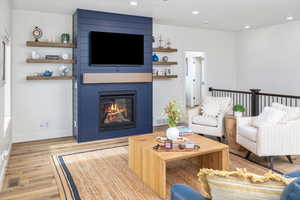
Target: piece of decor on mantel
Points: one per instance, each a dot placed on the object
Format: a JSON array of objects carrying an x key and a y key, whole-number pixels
[
  {"x": 47, "y": 73},
  {"x": 65, "y": 38},
  {"x": 63, "y": 70},
  {"x": 155, "y": 58},
  {"x": 173, "y": 114},
  {"x": 37, "y": 33},
  {"x": 238, "y": 110}
]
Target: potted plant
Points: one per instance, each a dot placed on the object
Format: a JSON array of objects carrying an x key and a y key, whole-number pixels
[
  {"x": 173, "y": 114},
  {"x": 238, "y": 110}
]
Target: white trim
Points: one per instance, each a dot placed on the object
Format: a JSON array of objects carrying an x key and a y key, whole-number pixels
[{"x": 3, "y": 170}]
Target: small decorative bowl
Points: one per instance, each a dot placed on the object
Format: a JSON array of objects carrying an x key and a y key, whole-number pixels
[{"x": 47, "y": 73}]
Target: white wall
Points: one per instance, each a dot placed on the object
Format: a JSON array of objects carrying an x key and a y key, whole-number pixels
[
  {"x": 5, "y": 133},
  {"x": 36, "y": 102},
  {"x": 220, "y": 64},
  {"x": 268, "y": 58},
  {"x": 39, "y": 101}
]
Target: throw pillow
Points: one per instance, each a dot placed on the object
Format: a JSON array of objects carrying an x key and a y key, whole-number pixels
[
  {"x": 269, "y": 116},
  {"x": 223, "y": 102},
  {"x": 242, "y": 185},
  {"x": 292, "y": 113},
  {"x": 210, "y": 109}
]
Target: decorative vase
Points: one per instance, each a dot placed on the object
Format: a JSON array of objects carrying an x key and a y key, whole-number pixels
[
  {"x": 172, "y": 133},
  {"x": 65, "y": 38},
  {"x": 155, "y": 58},
  {"x": 238, "y": 114},
  {"x": 47, "y": 73}
]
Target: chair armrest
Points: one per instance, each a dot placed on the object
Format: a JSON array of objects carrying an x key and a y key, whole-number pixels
[
  {"x": 243, "y": 121},
  {"x": 194, "y": 111},
  {"x": 184, "y": 192},
  {"x": 279, "y": 139},
  {"x": 191, "y": 113}
]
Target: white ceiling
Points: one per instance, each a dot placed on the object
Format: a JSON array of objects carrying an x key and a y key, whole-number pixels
[{"x": 229, "y": 15}]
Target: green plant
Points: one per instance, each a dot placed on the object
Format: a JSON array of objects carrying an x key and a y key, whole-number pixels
[
  {"x": 173, "y": 113},
  {"x": 239, "y": 108}
]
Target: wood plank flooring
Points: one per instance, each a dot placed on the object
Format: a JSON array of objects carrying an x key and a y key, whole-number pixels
[{"x": 29, "y": 174}]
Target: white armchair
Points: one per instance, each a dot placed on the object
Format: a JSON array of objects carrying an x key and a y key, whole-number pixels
[
  {"x": 209, "y": 125},
  {"x": 274, "y": 140}
]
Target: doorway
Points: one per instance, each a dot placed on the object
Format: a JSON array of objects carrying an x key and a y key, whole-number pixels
[{"x": 194, "y": 77}]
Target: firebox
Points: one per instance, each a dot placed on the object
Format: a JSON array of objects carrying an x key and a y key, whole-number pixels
[{"x": 117, "y": 110}]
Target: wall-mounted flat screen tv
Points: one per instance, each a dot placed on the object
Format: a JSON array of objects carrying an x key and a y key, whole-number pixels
[{"x": 116, "y": 49}]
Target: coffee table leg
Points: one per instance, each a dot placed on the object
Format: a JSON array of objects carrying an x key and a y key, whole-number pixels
[
  {"x": 154, "y": 172},
  {"x": 225, "y": 160},
  {"x": 135, "y": 157},
  {"x": 218, "y": 160}
]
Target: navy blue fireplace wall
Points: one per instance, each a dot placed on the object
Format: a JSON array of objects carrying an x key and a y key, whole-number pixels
[{"x": 86, "y": 96}]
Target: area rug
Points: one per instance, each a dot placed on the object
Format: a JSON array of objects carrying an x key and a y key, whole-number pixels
[
  {"x": 104, "y": 174},
  {"x": 281, "y": 163}
]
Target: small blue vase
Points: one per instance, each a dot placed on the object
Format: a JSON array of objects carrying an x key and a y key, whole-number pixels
[{"x": 155, "y": 58}]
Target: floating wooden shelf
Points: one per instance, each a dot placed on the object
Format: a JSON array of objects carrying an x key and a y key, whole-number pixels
[
  {"x": 36, "y": 78},
  {"x": 165, "y": 63},
  {"x": 49, "y": 44},
  {"x": 167, "y": 50},
  {"x": 67, "y": 61},
  {"x": 165, "y": 77}
]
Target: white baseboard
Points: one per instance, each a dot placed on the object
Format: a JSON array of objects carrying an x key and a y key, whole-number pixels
[{"x": 40, "y": 135}]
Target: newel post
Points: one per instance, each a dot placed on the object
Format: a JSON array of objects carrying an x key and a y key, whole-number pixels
[{"x": 255, "y": 102}]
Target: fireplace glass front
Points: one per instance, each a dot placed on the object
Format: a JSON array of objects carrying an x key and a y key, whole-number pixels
[{"x": 117, "y": 110}]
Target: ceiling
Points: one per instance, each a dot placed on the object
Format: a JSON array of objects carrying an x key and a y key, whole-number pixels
[{"x": 228, "y": 15}]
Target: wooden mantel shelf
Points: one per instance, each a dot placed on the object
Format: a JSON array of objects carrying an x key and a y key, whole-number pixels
[
  {"x": 37, "y": 78},
  {"x": 165, "y": 63},
  {"x": 165, "y": 77},
  {"x": 67, "y": 61},
  {"x": 49, "y": 44},
  {"x": 167, "y": 50}
]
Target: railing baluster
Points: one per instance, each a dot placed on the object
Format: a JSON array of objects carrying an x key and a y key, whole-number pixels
[{"x": 255, "y": 101}]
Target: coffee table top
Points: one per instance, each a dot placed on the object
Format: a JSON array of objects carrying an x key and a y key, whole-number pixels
[{"x": 206, "y": 146}]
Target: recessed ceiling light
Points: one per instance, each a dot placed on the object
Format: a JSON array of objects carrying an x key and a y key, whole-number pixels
[
  {"x": 247, "y": 27},
  {"x": 133, "y": 3},
  {"x": 205, "y": 22},
  {"x": 195, "y": 12},
  {"x": 289, "y": 18}
]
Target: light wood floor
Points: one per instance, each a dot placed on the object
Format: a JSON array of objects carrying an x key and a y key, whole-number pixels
[{"x": 30, "y": 174}]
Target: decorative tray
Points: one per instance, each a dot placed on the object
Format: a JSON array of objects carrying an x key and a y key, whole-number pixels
[
  {"x": 176, "y": 148},
  {"x": 180, "y": 140}
]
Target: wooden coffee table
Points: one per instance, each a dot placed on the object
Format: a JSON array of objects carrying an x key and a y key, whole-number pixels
[{"x": 150, "y": 165}]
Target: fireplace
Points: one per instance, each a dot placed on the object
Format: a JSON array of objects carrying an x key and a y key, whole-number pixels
[{"x": 117, "y": 110}]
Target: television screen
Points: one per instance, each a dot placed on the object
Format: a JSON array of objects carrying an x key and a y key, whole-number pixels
[{"x": 116, "y": 49}]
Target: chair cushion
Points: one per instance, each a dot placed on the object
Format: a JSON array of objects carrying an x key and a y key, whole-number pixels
[
  {"x": 292, "y": 113},
  {"x": 248, "y": 132},
  {"x": 292, "y": 191},
  {"x": 205, "y": 121},
  {"x": 268, "y": 117},
  {"x": 210, "y": 109},
  {"x": 241, "y": 185}
]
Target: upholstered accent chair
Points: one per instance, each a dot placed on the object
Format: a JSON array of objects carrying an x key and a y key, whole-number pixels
[
  {"x": 208, "y": 118},
  {"x": 271, "y": 139}
]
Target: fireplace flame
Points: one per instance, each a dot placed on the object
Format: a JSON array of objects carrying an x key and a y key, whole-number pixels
[
  {"x": 114, "y": 108},
  {"x": 114, "y": 112}
]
